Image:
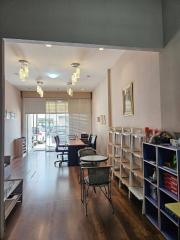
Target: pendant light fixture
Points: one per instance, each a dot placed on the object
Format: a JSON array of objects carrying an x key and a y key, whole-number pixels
[
  {"x": 39, "y": 88},
  {"x": 24, "y": 70},
  {"x": 70, "y": 89},
  {"x": 76, "y": 75}
]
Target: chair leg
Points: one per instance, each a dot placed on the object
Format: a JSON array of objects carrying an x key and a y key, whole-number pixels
[
  {"x": 59, "y": 161},
  {"x": 86, "y": 199},
  {"x": 80, "y": 175},
  {"x": 110, "y": 196},
  {"x": 82, "y": 191}
]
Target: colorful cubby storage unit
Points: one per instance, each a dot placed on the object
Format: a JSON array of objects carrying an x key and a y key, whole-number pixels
[{"x": 161, "y": 186}]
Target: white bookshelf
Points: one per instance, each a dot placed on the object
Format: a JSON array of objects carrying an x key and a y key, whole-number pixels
[{"x": 125, "y": 154}]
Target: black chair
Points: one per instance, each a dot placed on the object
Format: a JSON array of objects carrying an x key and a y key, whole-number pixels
[
  {"x": 96, "y": 177},
  {"x": 89, "y": 139},
  {"x": 92, "y": 141},
  {"x": 85, "y": 138},
  {"x": 61, "y": 150},
  {"x": 87, "y": 151}
]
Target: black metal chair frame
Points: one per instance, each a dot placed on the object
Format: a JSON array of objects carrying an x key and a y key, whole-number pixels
[
  {"x": 62, "y": 151},
  {"x": 105, "y": 187},
  {"x": 83, "y": 164}
]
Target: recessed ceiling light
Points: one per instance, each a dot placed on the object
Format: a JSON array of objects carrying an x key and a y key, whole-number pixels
[
  {"x": 101, "y": 49},
  {"x": 48, "y": 45},
  {"x": 53, "y": 75}
]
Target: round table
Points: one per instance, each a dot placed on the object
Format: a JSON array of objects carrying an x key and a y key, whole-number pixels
[{"x": 94, "y": 159}]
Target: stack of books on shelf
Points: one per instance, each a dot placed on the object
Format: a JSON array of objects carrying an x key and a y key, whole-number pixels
[{"x": 170, "y": 182}]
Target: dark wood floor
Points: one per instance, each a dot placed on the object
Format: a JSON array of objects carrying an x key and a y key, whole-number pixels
[{"x": 52, "y": 209}]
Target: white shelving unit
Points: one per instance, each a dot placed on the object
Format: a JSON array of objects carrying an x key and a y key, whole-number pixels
[
  {"x": 13, "y": 191},
  {"x": 125, "y": 154}
]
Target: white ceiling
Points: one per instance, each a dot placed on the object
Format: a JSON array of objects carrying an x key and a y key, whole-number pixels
[{"x": 58, "y": 59}]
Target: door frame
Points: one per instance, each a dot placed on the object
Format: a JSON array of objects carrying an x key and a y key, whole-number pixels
[{"x": 2, "y": 111}]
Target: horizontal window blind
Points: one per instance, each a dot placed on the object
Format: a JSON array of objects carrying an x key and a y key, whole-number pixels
[
  {"x": 56, "y": 107},
  {"x": 79, "y": 116},
  {"x": 34, "y": 105}
]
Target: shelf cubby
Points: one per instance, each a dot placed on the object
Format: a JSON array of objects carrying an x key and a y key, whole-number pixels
[
  {"x": 126, "y": 139},
  {"x": 151, "y": 212},
  {"x": 136, "y": 186},
  {"x": 13, "y": 194},
  {"x": 149, "y": 172},
  {"x": 117, "y": 138},
  {"x": 117, "y": 151},
  {"x": 151, "y": 193},
  {"x": 164, "y": 198},
  {"x": 168, "y": 183},
  {"x": 149, "y": 153},
  {"x": 111, "y": 137},
  {"x": 136, "y": 162},
  {"x": 116, "y": 167},
  {"x": 136, "y": 141},
  {"x": 168, "y": 228},
  {"x": 138, "y": 173},
  {"x": 125, "y": 176},
  {"x": 167, "y": 160}
]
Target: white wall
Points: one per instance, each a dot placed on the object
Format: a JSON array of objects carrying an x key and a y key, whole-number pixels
[
  {"x": 12, "y": 126},
  {"x": 170, "y": 84},
  {"x": 141, "y": 68},
  {"x": 100, "y": 107}
]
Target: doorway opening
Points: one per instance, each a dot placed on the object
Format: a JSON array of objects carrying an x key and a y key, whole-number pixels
[{"x": 42, "y": 128}]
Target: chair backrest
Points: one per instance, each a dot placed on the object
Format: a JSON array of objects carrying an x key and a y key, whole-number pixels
[
  {"x": 86, "y": 152},
  {"x": 99, "y": 175},
  {"x": 93, "y": 141},
  {"x": 57, "y": 141},
  {"x": 89, "y": 139},
  {"x": 84, "y": 135}
]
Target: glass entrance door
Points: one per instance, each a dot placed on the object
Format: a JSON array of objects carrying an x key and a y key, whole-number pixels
[
  {"x": 57, "y": 122},
  {"x": 42, "y": 128},
  {"x": 35, "y": 131}
]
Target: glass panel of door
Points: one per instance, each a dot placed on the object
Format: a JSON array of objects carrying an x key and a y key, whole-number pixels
[
  {"x": 42, "y": 128},
  {"x": 35, "y": 131},
  {"x": 56, "y": 124}
]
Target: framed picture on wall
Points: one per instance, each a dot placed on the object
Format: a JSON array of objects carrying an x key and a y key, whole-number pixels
[{"x": 128, "y": 100}]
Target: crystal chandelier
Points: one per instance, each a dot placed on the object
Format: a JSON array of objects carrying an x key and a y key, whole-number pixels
[
  {"x": 76, "y": 75},
  {"x": 69, "y": 89},
  {"x": 39, "y": 88},
  {"x": 24, "y": 70}
]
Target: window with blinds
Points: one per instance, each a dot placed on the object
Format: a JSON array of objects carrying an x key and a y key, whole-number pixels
[
  {"x": 79, "y": 116},
  {"x": 57, "y": 120},
  {"x": 69, "y": 117},
  {"x": 79, "y": 123}
]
